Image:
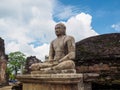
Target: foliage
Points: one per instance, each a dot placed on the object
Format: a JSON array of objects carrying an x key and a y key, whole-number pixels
[{"x": 15, "y": 61}]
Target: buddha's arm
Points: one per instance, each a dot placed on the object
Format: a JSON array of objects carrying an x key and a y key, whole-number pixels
[
  {"x": 51, "y": 52},
  {"x": 70, "y": 56}
]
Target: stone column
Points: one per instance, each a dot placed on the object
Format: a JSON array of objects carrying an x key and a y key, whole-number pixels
[
  {"x": 3, "y": 63},
  {"x": 3, "y": 66}
]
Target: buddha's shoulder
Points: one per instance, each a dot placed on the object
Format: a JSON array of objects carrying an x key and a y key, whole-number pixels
[
  {"x": 68, "y": 37},
  {"x": 53, "y": 41}
]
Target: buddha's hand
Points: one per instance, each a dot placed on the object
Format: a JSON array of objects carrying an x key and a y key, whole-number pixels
[{"x": 53, "y": 62}]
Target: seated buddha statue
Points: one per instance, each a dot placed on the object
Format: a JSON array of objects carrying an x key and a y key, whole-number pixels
[{"x": 61, "y": 53}]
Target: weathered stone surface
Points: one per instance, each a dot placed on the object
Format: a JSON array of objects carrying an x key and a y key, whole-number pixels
[
  {"x": 93, "y": 68},
  {"x": 99, "y": 54},
  {"x": 29, "y": 61},
  {"x": 3, "y": 63},
  {"x": 54, "y": 82},
  {"x": 101, "y": 49},
  {"x": 54, "y": 71},
  {"x": 98, "y": 48}
]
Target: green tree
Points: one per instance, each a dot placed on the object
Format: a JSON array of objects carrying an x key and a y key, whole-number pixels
[{"x": 16, "y": 61}]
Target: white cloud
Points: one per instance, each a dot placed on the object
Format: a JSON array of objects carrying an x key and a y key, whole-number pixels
[
  {"x": 80, "y": 26},
  {"x": 41, "y": 51},
  {"x": 116, "y": 27},
  {"x": 12, "y": 46},
  {"x": 30, "y": 21},
  {"x": 63, "y": 12},
  {"x": 26, "y": 21}
]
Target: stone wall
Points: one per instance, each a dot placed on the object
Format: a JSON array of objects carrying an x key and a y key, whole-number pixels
[{"x": 99, "y": 54}]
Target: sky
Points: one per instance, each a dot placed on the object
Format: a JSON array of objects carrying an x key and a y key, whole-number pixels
[{"x": 28, "y": 25}]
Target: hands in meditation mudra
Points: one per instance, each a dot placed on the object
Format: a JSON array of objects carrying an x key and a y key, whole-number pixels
[{"x": 61, "y": 54}]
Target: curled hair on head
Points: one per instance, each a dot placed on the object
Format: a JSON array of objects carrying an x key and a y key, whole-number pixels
[{"x": 63, "y": 28}]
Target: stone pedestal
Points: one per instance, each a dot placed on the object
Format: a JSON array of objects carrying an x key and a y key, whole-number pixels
[{"x": 53, "y": 82}]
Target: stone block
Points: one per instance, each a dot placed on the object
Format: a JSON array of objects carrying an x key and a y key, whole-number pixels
[{"x": 53, "y": 82}]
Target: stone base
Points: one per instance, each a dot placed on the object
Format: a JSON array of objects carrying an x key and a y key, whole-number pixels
[
  {"x": 53, "y": 82},
  {"x": 54, "y": 71}
]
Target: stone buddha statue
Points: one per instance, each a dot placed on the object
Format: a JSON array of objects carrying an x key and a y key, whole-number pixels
[{"x": 61, "y": 54}]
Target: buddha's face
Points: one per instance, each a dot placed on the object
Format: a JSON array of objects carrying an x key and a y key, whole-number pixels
[{"x": 59, "y": 30}]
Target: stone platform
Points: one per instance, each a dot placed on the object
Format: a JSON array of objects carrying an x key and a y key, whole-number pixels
[{"x": 53, "y": 82}]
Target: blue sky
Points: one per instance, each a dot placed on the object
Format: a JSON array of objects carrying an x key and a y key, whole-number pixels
[
  {"x": 104, "y": 13},
  {"x": 28, "y": 25}
]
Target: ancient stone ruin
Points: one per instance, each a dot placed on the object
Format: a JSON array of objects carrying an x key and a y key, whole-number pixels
[
  {"x": 3, "y": 63},
  {"x": 100, "y": 54},
  {"x": 29, "y": 61}
]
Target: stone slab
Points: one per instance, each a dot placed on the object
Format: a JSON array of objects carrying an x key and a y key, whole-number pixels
[
  {"x": 52, "y": 82},
  {"x": 51, "y": 78}
]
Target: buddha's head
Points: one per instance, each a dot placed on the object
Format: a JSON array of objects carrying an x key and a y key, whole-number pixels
[{"x": 60, "y": 29}]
